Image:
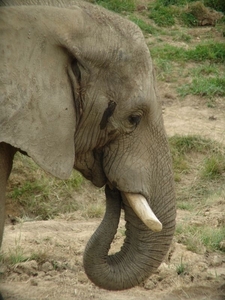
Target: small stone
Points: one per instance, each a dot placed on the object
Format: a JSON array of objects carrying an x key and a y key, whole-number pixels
[
  {"x": 216, "y": 261},
  {"x": 202, "y": 266},
  {"x": 23, "y": 277},
  {"x": 82, "y": 278},
  {"x": 149, "y": 285},
  {"x": 47, "y": 266},
  {"x": 222, "y": 245},
  {"x": 197, "y": 223},
  {"x": 3, "y": 269},
  {"x": 34, "y": 282},
  {"x": 27, "y": 267}
]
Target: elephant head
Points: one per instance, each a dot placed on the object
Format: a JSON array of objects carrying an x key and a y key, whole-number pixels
[{"x": 78, "y": 91}]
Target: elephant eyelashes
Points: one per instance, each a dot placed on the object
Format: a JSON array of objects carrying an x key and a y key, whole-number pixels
[
  {"x": 134, "y": 119},
  {"x": 76, "y": 70}
]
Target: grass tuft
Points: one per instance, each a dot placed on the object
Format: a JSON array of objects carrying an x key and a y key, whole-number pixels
[
  {"x": 162, "y": 15},
  {"x": 213, "y": 167},
  {"x": 118, "y": 6},
  {"x": 146, "y": 28},
  {"x": 213, "y": 52},
  {"x": 209, "y": 87},
  {"x": 39, "y": 194},
  {"x": 199, "y": 239},
  {"x": 184, "y": 144}
]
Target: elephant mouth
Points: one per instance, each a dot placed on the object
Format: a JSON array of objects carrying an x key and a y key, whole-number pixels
[
  {"x": 140, "y": 206},
  {"x": 142, "y": 209}
]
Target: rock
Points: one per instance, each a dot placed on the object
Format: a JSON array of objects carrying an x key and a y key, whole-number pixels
[
  {"x": 202, "y": 266},
  {"x": 149, "y": 285},
  {"x": 47, "y": 266},
  {"x": 34, "y": 282},
  {"x": 27, "y": 267},
  {"x": 222, "y": 245},
  {"x": 215, "y": 261},
  {"x": 82, "y": 277},
  {"x": 23, "y": 277},
  {"x": 3, "y": 269},
  {"x": 197, "y": 223}
]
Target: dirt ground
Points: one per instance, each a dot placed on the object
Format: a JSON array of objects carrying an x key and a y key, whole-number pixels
[{"x": 61, "y": 242}]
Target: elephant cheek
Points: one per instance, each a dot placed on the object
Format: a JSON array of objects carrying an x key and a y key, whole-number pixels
[{"x": 90, "y": 167}]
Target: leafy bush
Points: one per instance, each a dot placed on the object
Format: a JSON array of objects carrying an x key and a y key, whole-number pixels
[{"x": 216, "y": 4}]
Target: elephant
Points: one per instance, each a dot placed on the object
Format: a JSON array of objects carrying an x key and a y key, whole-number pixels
[{"x": 78, "y": 91}]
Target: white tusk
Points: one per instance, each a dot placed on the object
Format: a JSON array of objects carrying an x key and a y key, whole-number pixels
[{"x": 140, "y": 206}]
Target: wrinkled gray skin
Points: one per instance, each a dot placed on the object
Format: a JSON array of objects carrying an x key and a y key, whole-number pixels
[{"x": 77, "y": 91}]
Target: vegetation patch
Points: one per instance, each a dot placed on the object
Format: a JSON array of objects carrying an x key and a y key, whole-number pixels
[
  {"x": 199, "y": 170},
  {"x": 38, "y": 194},
  {"x": 145, "y": 27},
  {"x": 213, "y": 52},
  {"x": 209, "y": 87},
  {"x": 199, "y": 239},
  {"x": 163, "y": 16},
  {"x": 118, "y": 6},
  {"x": 189, "y": 13}
]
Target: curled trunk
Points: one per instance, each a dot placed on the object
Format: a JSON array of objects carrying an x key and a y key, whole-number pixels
[{"x": 140, "y": 255}]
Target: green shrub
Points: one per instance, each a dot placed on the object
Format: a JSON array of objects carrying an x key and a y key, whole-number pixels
[{"x": 218, "y": 5}]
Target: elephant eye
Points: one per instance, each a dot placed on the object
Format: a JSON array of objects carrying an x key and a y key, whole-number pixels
[{"x": 134, "y": 119}]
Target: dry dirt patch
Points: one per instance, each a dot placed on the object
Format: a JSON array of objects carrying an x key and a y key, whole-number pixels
[{"x": 60, "y": 275}]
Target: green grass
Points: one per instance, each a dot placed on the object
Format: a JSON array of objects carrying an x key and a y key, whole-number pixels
[
  {"x": 209, "y": 87},
  {"x": 185, "y": 144},
  {"x": 146, "y": 28},
  {"x": 118, "y": 6},
  {"x": 15, "y": 256},
  {"x": 39, "y": 194},
  {"x": 213, "y": 52},
  {"x": 181, "y": 36},
  {"x": 162, "y": 15},
  {"x": 172, "y": 2},
  {"x": 199, "y": 167},
  {"x": 164, "y": 70},
  {"x": 200, "y": 238},
  {"x": 213, "y": 167},
  {"x": 205, "y": 70},
  {"x": 185, "y": 205},
  {"x": 181, "y": 268},
  {"x": 94, "y": 210}
]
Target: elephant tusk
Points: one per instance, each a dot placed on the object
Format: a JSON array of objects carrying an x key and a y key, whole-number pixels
[{"x": 140, "y": 206}]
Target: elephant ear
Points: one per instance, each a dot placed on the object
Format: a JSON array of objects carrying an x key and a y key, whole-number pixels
[{"x": 37, "y": 94}]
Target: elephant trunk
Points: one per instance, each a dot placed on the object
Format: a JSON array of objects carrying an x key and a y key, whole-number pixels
[{"x": 140, "y": 255}]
